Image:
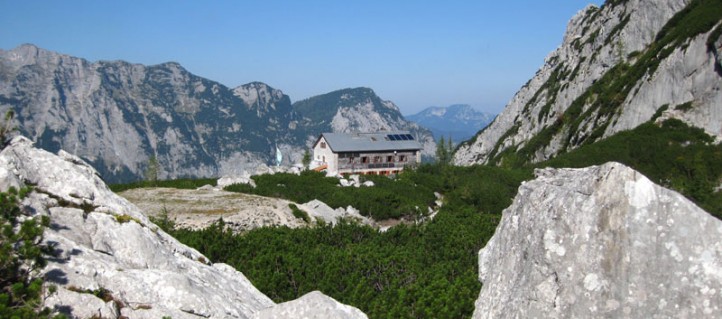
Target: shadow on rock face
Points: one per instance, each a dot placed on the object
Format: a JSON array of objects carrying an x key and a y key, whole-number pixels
[
  {"x": 56, "y": 276},
  {"x": 56, "y": 226},
  {"x": 66, "y": 310}
]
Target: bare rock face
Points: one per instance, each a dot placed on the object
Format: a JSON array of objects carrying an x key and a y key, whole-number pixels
[
  {"x": 561, "y": 106},
  {"x": 601, "y": 242},
  {"x": 111, "y": 261},
  {"x": 117, "y": 115},
  {"x": 311, "y": 305}
]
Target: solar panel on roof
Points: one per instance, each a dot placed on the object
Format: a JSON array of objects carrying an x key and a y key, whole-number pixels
[
  {"x": 403, "y": 137},
  {"x": 410, "y": 137},
  {"x": 391, "y": 137},
  {"x": 398, "y": 137}
]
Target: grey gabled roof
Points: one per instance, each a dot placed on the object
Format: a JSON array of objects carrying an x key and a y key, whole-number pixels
[{"x": 369, "y": 142}]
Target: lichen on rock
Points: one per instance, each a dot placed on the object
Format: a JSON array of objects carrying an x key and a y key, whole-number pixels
[{"x": 602, "y": 241}]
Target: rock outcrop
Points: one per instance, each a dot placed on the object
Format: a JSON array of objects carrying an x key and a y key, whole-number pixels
[
  {"x": 602, "y": 242},
  {"x": 319, "y": 211},
  {"x": 110, "y": 261},
  {"x": 311, "y": 305},
  {"x": 618, "y": 66}
]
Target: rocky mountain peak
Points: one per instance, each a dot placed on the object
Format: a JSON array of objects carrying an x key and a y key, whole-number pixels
[
  {"x": 358, "y": 92},
  {"x": 354, "y": 100},
  {"x": 172, "y": 65},
  {"x": 260, "y": 96},
  {"x": 28, "y": 54},
  {"x": 24, "y": 52}
]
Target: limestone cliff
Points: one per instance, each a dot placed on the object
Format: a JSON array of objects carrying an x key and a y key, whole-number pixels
[
  {"x": 618, "y": 66},
  {"x": 110, "y": 260},
  {"x": 601, "y": 242},
  {"x": 116, "y": 115}
]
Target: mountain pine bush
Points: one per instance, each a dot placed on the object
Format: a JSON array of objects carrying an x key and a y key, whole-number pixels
[{"x": 21, "y": 256}]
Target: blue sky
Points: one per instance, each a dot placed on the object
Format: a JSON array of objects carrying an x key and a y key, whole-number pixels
[{"x": 414, "y": 53}]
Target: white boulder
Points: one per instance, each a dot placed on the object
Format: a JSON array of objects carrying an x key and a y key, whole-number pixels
[
  {"x": 230, "y": 180},
  {"x": 105, "y": 244},
  {"x": 601, "y": 242},
  {"x": 311, "y": 305}
]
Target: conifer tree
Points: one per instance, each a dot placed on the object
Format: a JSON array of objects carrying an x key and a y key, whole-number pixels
[
  {"x": 306, "y": 159},
  {"x": 151, "y": 172},
  {"x": 441, "y": 152}
]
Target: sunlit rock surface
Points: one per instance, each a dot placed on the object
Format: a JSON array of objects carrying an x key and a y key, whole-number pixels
[
  {"x": 311, "y": 305},
  {"x": 110, "y": 260},
  {"x": 601, "y": 242}
]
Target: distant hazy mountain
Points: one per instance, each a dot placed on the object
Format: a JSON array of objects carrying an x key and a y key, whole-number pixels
[
  {"x": 118, "y": 115},
  {"x": 358, "y": 110},
  {"x": 459, "y": 121}
]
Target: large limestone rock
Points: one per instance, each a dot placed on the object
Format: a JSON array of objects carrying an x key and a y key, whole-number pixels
[
  {"x": 106, "y": 244},
  {"x": 311, "y": 305},
  {"x": 601, "y": 242},
  {"x": 111, "y": 261},
  {"x": 320, "y": 211}
]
